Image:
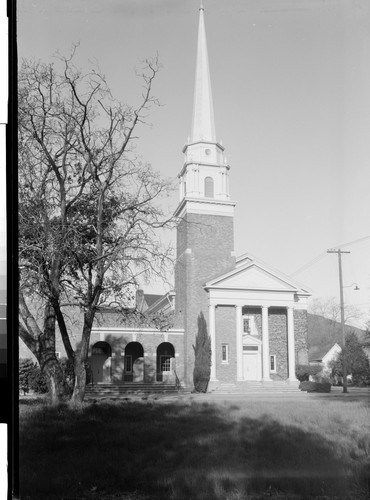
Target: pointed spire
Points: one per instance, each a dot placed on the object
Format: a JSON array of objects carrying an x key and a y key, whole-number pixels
[{"x": 203, "y": 127}]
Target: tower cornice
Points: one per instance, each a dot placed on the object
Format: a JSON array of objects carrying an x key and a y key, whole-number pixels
[
  {"x": 205, "y": 206},
  {"x": 220, "y": 146},
  {"x": 202, "y": 164}
]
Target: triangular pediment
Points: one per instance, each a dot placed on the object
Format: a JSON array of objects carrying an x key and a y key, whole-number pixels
[
  {"x": 254, "y": 276},
  {"x": 249, "y": 340}
]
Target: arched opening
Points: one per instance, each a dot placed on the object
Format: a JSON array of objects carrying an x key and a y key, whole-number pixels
[
  {"x": 208, "y": 187},
  {"x": 165, "y": 361},
  {"x": 100, "y": 362},
  {"x": 134, "y": 362}
]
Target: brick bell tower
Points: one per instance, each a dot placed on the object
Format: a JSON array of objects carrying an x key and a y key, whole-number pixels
[{"x": 205, "y": 232}]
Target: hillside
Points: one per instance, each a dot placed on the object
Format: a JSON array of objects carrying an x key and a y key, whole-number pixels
[{"x": 323, "y": 333}]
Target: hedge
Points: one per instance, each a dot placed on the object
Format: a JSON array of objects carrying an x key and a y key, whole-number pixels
[
  {"x": 303, "y": 372},
  {"x": 315, "y": 386}
]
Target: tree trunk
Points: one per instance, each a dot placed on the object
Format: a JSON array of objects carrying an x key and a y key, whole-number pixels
[
  {"x": 80, "y": 381},
  {"x": 80, "y": 360},
  {"x": 42, "y": 345},
  {"x": 54, "y": 376}
]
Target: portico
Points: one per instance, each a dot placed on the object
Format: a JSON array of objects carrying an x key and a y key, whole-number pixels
[{"x": 258, "y": 343}]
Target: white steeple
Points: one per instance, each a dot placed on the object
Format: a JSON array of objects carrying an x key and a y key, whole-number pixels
[
  {"x": 204, "y": 178},
  {"x": 203, "y": 127}
]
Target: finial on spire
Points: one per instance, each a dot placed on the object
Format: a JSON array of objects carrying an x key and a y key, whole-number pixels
[{"x": 201, "y": 5}]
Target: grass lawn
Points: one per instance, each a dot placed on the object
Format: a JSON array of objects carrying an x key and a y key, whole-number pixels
[{"x": 196, "y": 449}]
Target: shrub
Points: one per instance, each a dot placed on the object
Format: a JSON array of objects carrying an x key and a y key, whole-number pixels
[
  {"x": 25, "y": 371},
  {"x": 361, "y": 380},
  {"x": 357, "y": 362},
  {"x": 303, "y": 372},
  {"x": 31, "y": 377},
  {"x": 315, "y": 386},
  {"x": 68, "y": 373},
  {"x": 202, "y": 362},
  {"x": 37, "y": 380}
]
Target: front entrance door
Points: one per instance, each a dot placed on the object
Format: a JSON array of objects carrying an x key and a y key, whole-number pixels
[{"x": 250, "y": 366}]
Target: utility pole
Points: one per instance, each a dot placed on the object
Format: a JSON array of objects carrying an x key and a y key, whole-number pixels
[{"x": 339, "y": 252}]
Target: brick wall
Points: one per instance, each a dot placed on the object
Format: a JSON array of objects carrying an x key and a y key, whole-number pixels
[
  {"x": 226, "y": 334},
  {"x": 150, "y": 343},
  {"x": 204, "y": 246}
]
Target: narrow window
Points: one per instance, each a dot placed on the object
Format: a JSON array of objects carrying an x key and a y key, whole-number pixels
[
  {"x": 225, "y": 353},
  {"x": 247, "y": 325},
  {"x": 273, "y": 363},
  {"x": 128, "y": 360},
  {"x": 208, "y": 187}
]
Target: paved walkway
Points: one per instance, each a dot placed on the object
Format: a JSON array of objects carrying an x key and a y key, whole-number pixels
[{"x": 336, "y": 394}]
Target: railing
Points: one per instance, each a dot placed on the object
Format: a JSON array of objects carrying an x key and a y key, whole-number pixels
[{"x": 177, "y": 381}]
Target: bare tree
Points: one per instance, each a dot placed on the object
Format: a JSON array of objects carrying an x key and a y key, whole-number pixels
[
  {"x": 89, "y": 210},
  {"x": 329, "y": 308}
]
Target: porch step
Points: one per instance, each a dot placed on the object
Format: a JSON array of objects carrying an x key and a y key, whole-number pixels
[
  {"x": 257, "y": 388},
  {"x": 121, "y": 390}
]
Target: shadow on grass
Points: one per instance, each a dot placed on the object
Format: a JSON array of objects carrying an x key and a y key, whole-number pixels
[{"x": 187, "y": 451}]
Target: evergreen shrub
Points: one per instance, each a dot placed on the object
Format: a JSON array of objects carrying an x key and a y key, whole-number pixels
[
  {"x": 31, "y": 377},
  {"x": 303, "y": 372},
  {"x": 202, "y": 362},
  {"x": 25, "y": 370},
  {"x": 315, "y": 386},
  {"x": 38, "y": 382}
]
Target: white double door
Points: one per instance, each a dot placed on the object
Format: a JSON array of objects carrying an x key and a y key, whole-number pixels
[{"x": 251, "y": 365}]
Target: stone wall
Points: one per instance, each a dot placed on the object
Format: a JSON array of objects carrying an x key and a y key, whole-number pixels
[
  {"x": 300, "y": 333},
  {"x": 256, "y": 313},
  {"x": 278, "y": 344}
]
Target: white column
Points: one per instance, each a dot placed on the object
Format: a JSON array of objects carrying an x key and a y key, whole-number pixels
[
  {"x": 181, "y": 188},
  {"x": 265, "y": 344},
  {"x": 227, "y": 185},
  {"x": 223, "y": 183},
  {"x": 190, "y": 184},
  {"x": 197, "y": 180},
  {"x": 239, "y": 343},
  {"x": 212, "y": 334},
  {"x": 291, "y": 347}
]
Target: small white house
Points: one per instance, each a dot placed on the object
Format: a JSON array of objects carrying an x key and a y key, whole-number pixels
[{"x": 324, "y": 359}]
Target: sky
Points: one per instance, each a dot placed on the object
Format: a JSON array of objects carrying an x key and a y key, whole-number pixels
[{"x": 291, "y": 92}]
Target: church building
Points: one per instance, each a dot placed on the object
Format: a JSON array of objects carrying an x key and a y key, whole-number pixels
[{"x": 256, "y": 317}]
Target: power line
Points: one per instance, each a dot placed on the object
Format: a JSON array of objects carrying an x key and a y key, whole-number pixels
[
  {"x": 310, "y": 263},
  {"x": 354, "y": 241},
  {"x": 324, "y": 254}
]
